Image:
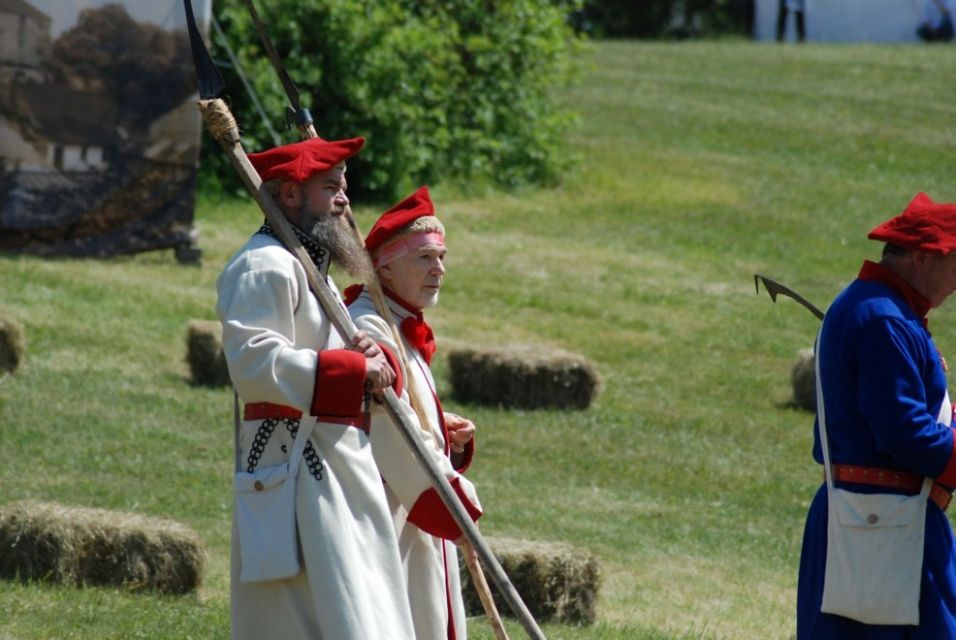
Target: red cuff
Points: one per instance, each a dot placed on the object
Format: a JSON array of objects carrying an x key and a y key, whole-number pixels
[
  {"x": 393, "y": 363},
  {"x": 431, "y": 515},
  {"x": 339, "y": 384},
  {"x": 948, "y": 477},
  {"x": 461, "y": 461}
]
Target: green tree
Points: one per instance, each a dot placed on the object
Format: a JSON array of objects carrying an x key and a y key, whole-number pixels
[{"x": 441, "y": 89}]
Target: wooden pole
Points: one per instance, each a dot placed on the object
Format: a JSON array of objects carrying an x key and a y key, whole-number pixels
[{"x": 484, "y": 592}]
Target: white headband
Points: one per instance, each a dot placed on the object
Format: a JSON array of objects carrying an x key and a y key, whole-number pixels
[{"x": 392, "y": 252}]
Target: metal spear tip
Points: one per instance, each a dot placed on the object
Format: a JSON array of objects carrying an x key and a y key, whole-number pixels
[
  {"x": 767, "y": 285},
  {"x": 774, "y": 288},
  {"x": 208, "y": 77}
]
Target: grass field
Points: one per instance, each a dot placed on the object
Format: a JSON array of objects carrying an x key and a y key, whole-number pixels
[{"x": 701, "y": 164}]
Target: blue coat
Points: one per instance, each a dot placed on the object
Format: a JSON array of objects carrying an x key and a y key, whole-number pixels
[{"x": 884, "y": 385}]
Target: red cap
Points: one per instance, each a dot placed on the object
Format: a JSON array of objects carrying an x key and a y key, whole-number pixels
[
  {"x": 923, "y": 226},
  {"x": 300, "y": 160},
  {"x": 413, "y": 207}
]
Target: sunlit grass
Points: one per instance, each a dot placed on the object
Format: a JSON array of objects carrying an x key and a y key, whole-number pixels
[{"x": 700, "y": 164}]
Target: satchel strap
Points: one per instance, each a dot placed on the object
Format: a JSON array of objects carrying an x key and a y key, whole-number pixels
[
  {"x": 236, "y": 426},
  {"x": 298, "y": 447}
]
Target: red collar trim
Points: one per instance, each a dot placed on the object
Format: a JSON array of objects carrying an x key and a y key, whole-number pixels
[
  {"x": 875, "y": 272},
  {"x": 405, "y": 305}
]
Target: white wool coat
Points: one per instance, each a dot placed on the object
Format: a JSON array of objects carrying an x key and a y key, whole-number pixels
[
  {"x": 430, "y": 562},
  {"x": 352, "y": 585}
]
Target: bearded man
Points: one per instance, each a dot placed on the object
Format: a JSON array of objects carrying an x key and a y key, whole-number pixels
[
  {"x": 407, "y": 247},
  {"x": 292, "y": 371}
]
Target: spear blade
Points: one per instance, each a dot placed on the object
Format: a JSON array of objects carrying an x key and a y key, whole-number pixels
[
  {"x": 775, "y": 288},
  {"x": 208, "y": 77}
]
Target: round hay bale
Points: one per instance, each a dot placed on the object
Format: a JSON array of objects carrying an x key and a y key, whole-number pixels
[
  {"x": 556, "y": 581},
  {"x": 207, "y": 362},
  {"x": 523, "y": 378},
  {"x": 804, "y": 380},
  {"x": 13, "y": 344},
  {"x": 86, "y": 547}
]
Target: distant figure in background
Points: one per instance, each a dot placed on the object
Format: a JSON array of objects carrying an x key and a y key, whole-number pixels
[
  {"x": 796, "y": 7},
  {"x": 937, "y": 25}
]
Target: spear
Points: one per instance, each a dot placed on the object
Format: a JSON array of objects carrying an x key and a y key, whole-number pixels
[{"x": 224, "y": 129}]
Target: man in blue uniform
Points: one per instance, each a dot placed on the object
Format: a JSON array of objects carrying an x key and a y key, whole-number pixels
[{"x": 888, "y": 413}]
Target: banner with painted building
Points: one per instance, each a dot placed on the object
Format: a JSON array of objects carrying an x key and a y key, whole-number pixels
[{"x": 99, "y": 132}]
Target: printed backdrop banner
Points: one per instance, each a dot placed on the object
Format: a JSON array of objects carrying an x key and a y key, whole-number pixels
[{"x": 99, "y": 132}]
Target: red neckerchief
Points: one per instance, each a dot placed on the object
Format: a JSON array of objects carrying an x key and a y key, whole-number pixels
[
  {"x": 351, "y": 293},
  {"x": 874, "y": 272},
  {"x": 415, "y": 329}
]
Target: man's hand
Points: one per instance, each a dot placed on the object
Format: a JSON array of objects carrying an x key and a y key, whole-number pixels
[
  {"x": 460, "y": 431},
  {"x": 378, "y": 374}
]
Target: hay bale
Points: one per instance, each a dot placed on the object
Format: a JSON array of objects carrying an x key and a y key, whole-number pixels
[
  {"x": 207, "y": 362},
  {"x": 556, "y": 581},
  {"x": 86, "y": 547},
  {"x": 524, "y": 378},
  {"x": 804, "y": 380},
  {"x": 13, "y": 345}
]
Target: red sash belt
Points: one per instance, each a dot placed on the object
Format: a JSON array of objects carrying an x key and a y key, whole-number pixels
[
  {"x": 890, "y": 478},
  {"x": 266, "y": 410}
]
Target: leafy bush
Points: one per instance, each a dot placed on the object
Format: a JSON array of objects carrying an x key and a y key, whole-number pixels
[{"x": 440, "y": 88}]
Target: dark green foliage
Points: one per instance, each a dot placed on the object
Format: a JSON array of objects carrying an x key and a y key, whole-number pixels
[
  {"x": 664, "y": 18},
  {"x": 452, "y": 89}
]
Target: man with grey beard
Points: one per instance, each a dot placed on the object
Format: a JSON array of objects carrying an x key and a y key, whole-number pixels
[{"x": 292, "y": 371}]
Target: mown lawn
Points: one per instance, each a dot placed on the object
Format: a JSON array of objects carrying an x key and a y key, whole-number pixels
[{"x": 700, "y": 164}]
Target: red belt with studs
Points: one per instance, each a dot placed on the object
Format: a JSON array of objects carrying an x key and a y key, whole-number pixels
[{"x": 892, "y": 479}]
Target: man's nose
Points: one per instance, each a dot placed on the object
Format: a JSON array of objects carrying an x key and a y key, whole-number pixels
[{"x": 341, "y": 199}]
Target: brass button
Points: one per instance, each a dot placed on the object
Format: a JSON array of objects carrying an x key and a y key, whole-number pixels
[
  {"x": 872, "y": 518},
  {"x": 258, "y": 487}
]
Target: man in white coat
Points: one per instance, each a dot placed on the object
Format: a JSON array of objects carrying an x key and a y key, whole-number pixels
[
  {"x": 407, "y": 247},
  {"x": 291, "y": 371}
]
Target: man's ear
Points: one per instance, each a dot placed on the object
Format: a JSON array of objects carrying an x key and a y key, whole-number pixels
[
  {"x": 384, "y": 274},
  {"x": 290, "y": 195},
  {"x": 921, "y": 259}
]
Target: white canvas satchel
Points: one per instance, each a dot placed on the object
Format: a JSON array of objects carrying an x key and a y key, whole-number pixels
[
  {"x": 265, "y": 517},
  {"x": 874, "y": 547}
]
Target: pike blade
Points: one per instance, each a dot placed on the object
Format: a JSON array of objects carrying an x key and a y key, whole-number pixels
[
  {"x": 775, "y": 288},
  {"x": 208, "y": 77}
]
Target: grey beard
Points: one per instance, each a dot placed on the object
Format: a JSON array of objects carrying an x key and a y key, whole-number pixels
[{"x": 334, "y": 233}]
